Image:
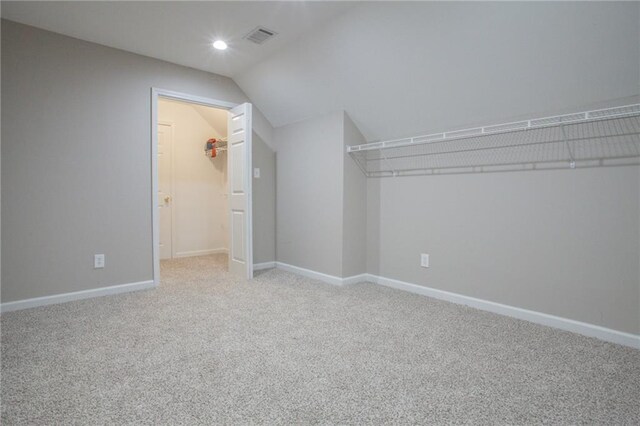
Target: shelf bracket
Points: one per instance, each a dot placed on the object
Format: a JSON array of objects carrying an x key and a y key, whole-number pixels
[
  {"x": 572, "y": 161},
  {"x": 386, "y": 160}
]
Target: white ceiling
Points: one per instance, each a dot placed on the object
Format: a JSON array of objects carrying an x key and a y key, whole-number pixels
[
  {"x": 397, "y": 68},
  {"x": 180, "y": 31}
]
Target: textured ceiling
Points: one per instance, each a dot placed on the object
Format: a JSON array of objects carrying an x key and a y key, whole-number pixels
[{"x": 397, "y": 68}]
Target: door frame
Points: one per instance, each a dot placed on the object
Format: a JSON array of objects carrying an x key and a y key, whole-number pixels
[{"x": 157, "y": 93}]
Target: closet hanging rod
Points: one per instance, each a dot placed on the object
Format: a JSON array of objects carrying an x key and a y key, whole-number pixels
[
  {"x": 604, "y": 137},
  {"x": 495, "y": 129}
]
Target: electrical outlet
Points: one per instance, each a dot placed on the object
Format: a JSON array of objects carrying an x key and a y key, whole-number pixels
[
  {"x": 256, "y": 172},
  {"x": 424, "y": 260},
  {"x": 98, "y": 261}
]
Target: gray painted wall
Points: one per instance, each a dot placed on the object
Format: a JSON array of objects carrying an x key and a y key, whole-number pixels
[
  {"x": 562, "y": 242},
  {"x": 354, "y": 221},
  {"x": 76, "y": 173},
  {"x": 321, "y": 202},
  {"x": 310, "y": 189},
  {"x": 373, "y": 226},
  {"x": 264, "y": 202}
]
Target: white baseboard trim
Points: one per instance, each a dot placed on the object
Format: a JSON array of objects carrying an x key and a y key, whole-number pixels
[
  {"x": 264, "y": 265},
  {"x": 76, "y": 295},
  {"x": 201, "y": 252},
  {"x": 355, "y": 279},
  {"x": 330, "y": 279},
  {"x": 586, "y": 329}
]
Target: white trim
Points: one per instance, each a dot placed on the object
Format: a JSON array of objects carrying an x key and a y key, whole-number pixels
[
  {"x": 586, "y": 329},
  {"x": 195, "y": 99},
  {"x": 155, "y": 216},
  {"x": 200, "y": 252},
  {"x": 330, "y": 279},
  {"x": 76, "y": 295},
  {"x": 355, "y": 279},
  {"x": 263, "y": 265},
  {"x": 583, "y": 328}
]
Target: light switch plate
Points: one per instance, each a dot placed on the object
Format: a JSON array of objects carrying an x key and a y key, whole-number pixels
[
  {"x": 256, "y": 172},
  {"x": 424, "y": 260},
  {"x": 98, "y": 261}
]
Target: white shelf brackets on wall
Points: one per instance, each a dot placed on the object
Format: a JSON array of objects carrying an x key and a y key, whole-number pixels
[{"x": 605, "y": 137}]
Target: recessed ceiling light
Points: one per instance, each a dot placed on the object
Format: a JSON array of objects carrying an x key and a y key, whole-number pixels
[{"x": 220, "y": 45}]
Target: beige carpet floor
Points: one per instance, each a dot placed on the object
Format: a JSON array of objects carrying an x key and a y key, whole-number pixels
[{"x": 206, "y": 348}]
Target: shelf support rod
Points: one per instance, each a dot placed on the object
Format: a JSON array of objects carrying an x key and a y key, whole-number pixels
[
  {"x": 386, "y": 160},
  {"x": 360, "y": 166},
  {"x": 572, "y": 161}
]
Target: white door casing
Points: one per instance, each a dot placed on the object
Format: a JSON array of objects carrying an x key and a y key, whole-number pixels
[
  {"x": 156, "y": 93},
  {"x": 239, "y": 168},
  {"x": 165, "y": 189}
]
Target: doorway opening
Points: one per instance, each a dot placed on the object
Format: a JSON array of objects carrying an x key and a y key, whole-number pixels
[
  {"x": 201, "y": 195},
  {"x": 192, "y": 179}
]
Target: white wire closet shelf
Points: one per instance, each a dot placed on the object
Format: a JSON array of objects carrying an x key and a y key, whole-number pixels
[{"x": 605, "y": 137}]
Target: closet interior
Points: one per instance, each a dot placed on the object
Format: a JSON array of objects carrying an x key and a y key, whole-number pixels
[{"x": 192, "y": 171}]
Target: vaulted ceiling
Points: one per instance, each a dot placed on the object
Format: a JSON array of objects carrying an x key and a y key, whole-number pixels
[
  {"x": 402, "y": 69},
  {"x": 397, "y": 68},
  {"x": 179, "y": 31}
]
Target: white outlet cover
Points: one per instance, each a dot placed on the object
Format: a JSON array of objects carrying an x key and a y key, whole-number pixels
[
  {"x": 256, "y": 172},
  {"x": 424, "y": 260}
]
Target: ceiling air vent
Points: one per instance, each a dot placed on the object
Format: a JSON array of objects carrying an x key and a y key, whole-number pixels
[{"x": 260, "y": 35}]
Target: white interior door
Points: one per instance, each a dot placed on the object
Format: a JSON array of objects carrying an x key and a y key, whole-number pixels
[
  {"x": 239, "y": 170},
  {"x": 165, "y": 189}
]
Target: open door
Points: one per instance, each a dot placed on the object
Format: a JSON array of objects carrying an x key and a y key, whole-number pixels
[{"x": 239, "y": 177}]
